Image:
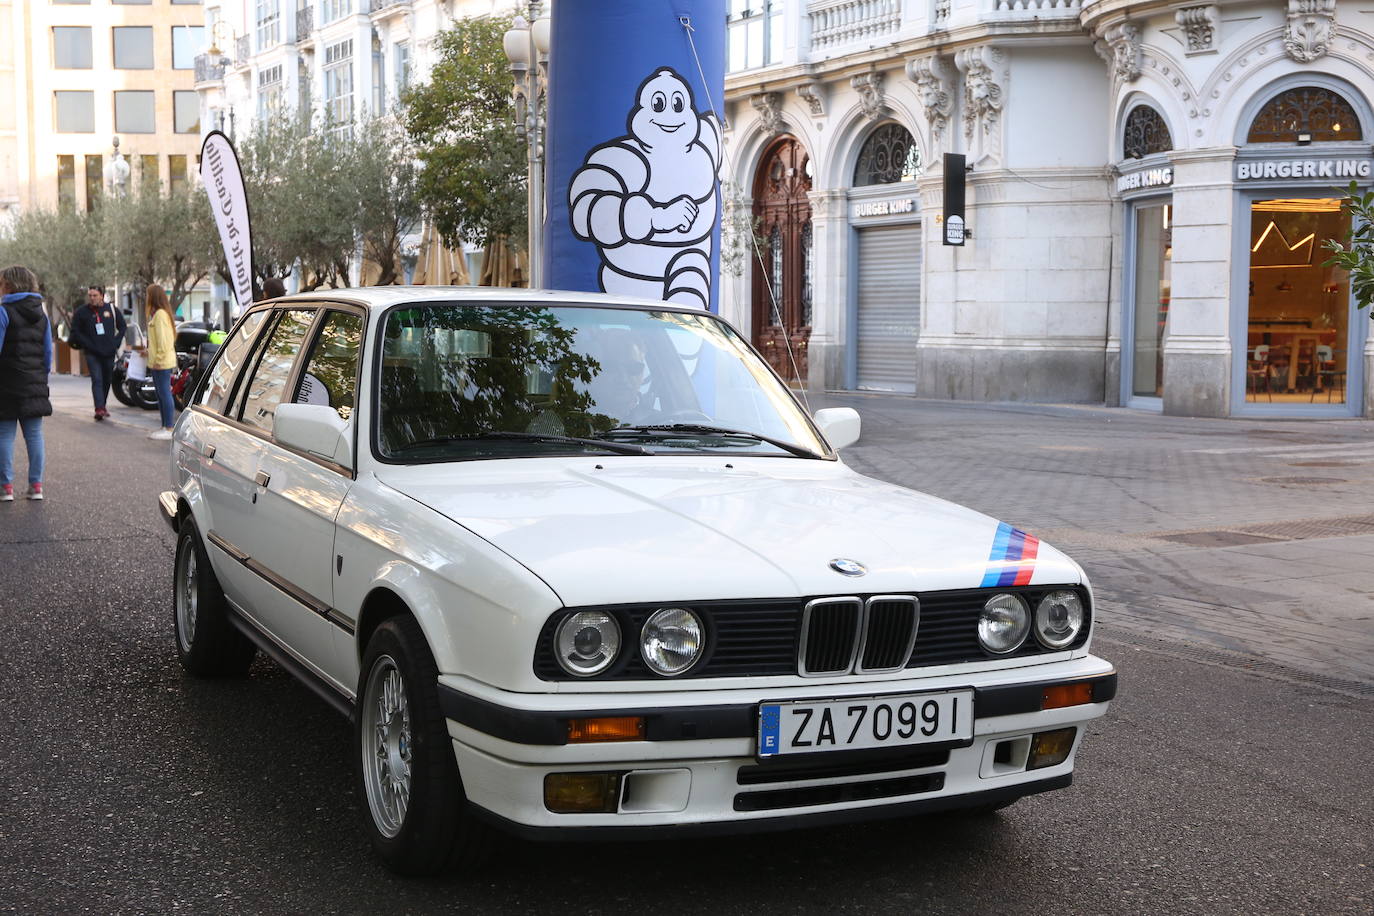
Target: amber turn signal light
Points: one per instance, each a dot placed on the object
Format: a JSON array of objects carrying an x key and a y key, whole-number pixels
[
  {"x": 1061, "y": 695},
  {"x": 582, "y": 793},
  {"x": 608, "y": 728}
]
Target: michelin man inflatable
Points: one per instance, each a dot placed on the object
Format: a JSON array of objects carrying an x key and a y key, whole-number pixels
[{"x": 648, "y": 200}]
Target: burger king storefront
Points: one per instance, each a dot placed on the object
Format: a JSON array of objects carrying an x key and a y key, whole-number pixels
[{"x": 1227, "y": 306}]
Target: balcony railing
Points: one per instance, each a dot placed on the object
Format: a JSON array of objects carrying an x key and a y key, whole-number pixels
[
  {"x": 305, "y": 23},
  {"x": 209, "y": 69},
  {"x": 1038, "y": 8},
  {"x": 844, "y": 22}
]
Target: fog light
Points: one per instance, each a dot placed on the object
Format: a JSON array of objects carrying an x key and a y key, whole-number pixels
[
  {"x": 582, "y": 793},
  {"x": 1050, "y": 748},
  {"x": 609, "y": 728},
  {"x": 1061, "y": 695}
]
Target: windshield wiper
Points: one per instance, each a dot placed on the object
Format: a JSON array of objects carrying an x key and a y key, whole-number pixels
[
  {"x": 619, "y": 448},
  {"x": 705, "y": 428}
]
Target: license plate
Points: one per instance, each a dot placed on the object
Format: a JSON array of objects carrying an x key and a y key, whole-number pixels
[{"x": 861, "y": 723}]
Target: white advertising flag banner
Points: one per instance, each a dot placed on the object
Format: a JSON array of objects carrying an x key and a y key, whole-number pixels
[{"x": 223, "y": 179}]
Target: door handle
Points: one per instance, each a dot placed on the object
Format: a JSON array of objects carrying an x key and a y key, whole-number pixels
[
  {"x": 263, "y": 478},
  {"x": 209, "y": 453}
]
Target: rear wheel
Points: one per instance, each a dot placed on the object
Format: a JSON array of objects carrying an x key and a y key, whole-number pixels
[
  {"x": 207, "y": 643},
  {"x": 411, "y": 794}
]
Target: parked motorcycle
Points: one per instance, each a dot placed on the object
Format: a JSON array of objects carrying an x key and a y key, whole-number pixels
[
  {"x": 132, "y": 392},
  {"x": 190, "y": 346}
]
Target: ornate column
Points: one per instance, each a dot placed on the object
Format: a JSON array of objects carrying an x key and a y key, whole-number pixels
[{"x": 830, "y": 289}]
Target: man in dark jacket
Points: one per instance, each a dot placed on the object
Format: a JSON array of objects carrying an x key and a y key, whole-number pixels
[
  {"x": 98, "y": 332},
  {"x": 25, "y": 361}
]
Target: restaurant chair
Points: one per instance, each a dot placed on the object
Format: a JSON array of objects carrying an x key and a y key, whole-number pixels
[
  {"x": 1257, "y": 370},
  {"x": 1329, "y": 377}
]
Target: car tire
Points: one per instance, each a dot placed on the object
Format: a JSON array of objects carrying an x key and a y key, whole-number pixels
[
  {"x": 207, "y": 643},
  {"x": 408, "y": 784}
]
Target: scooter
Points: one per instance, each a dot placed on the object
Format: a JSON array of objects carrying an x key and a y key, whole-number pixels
[{"x": 131, "y": 392}]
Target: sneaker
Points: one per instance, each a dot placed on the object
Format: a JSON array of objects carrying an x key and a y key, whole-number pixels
[
  {"x": 35, "y": 491},
  {"x": 7, "y": 493},
  {"x": 163, "y": 434}
]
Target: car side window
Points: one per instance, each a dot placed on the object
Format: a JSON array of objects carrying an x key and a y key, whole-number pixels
[
  {"x": 231, "y": 358},
  {"x": 265, "y": 389},
  {"x": 331, "y": 373}
]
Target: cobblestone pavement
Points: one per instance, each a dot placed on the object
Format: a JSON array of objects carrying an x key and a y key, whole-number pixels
[{"x": 1251, "y": 539}]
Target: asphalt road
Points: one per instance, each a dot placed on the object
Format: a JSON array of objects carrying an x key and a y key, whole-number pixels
[{"x": 131, "y": 788}]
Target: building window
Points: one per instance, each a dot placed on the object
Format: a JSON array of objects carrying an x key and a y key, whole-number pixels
[
  {"x": 271, "y": 91},
  {"x": 66, "y": 182},
  {"x": 133, "y": 47},
  {"x": 186, "y": 111},
  {"x": 95, "y": 177},
  {"x": 147, "y": 169},
  {"x": 71, "y": 47},
  {"x": 134, "y": 112},
  {"x": 1305, "y": 114},
  {"x": 338, "y": 84},
  {"x": 187, "y": 42},
  {"x": 889, "y": 155},
  {"x": 132, "y": 2},
  {"x": 176, "y": 173},
  {"x": 269, "y": 23},
  {"x": 753, "y": 33},
  {"x": 401, "y": 53},
  {"x": 1154, "y": 253},
  {"x": 75, "y": 111},
  {"x": 335, "y": 9},
  {"x": 1145, "y": 134}
]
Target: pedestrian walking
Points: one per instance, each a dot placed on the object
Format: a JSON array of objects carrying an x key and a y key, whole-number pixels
[
  {"x": 98, "y": 332},
  {"x": 25, "y": 361},
  {"x": 162, "y": 356}
]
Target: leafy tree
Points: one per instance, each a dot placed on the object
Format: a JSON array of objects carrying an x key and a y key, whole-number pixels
[
  {"x": 62, "y": 246},
  {"x": 151, "y": 236},
  {"x": 385, "y": 185},
  {"x": 473, "y": 178},
  {"x": 1358, "y": 258}
]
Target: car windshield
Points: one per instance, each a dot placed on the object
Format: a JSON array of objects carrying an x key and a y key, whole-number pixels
[{"x": 484, "y": 381}]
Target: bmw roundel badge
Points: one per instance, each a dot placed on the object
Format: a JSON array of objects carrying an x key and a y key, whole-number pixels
[{"x": 848, "y": 567}]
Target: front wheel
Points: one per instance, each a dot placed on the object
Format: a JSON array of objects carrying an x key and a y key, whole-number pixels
[
  {"x": 407, "y": 777},
  {"x": 207, "y": 643},
  {"x": 120, "y": 389}
]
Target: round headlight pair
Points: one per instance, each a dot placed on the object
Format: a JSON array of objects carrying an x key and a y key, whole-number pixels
[
  {"x": 1006, "y": 621},
  {"x": 670, "y": 642}
]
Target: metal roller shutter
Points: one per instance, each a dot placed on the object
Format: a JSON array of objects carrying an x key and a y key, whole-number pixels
[{"x": 889, "y": 307}]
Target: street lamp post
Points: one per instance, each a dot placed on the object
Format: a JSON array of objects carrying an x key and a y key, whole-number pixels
[{"x": 527, "y": 49}]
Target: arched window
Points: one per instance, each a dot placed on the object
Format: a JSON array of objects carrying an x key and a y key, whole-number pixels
[
  {"x": 889, "y": 155},
  {"x": 1145, "y": 134},
  {"x": 1304, "y": 114}
]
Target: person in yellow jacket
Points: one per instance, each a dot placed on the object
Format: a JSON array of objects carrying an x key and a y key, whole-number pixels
[{"x": 162, "y": 357}]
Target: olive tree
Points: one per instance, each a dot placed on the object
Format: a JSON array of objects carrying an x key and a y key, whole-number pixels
[
  {"x": 155, "y": 236},
  {"x": 62, "y": 247}
]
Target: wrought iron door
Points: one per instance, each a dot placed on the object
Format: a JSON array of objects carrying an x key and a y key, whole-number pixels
[{"x": 783, "y": 262}]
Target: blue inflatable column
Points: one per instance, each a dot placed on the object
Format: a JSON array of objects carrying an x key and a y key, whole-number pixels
[{"x": 634, "y": 148}]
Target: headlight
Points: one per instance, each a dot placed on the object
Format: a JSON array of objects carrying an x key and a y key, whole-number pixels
[
  {"x": 1004, "y": 623},
  {"x": 672, "y": 640},
  {"x": 587, "y": 642},
  {"x": 1058, "y": 619}
]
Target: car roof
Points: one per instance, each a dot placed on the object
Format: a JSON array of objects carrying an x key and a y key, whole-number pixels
[{"x": 381, "y": 297}]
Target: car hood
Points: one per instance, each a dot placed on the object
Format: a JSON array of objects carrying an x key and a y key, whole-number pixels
[{"x": 649, "y": 529}]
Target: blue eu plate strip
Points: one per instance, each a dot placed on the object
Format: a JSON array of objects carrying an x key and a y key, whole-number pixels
[{"x": 770, "y": 725}]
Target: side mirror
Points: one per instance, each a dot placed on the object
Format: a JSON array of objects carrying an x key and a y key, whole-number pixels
[
  {"x": 839, "y": 425},
  {"x": 314, "y": 428}
]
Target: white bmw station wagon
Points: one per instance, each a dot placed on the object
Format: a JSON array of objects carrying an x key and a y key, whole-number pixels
[{"x": 579, "y": 566}]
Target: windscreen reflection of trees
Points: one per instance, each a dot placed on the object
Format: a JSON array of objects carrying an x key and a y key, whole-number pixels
[{"x": 462, "y": 371}]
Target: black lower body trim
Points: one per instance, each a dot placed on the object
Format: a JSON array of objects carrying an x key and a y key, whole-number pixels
[
  {"x": 683, "y": 723},
  {"x": 800, "y": 797},
  {"x": 317, "y": 684},
  {"x": 773, "y": 824}
]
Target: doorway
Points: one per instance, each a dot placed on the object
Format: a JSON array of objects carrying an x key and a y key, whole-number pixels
[{"x": 782, "y": 275}]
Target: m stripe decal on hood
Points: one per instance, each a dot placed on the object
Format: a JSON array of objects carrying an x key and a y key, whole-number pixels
[{"x": 1012, "y": 561}]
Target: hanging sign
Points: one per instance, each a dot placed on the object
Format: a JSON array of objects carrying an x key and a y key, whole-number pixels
[
  {"x": 954, "y": 199},
  {"x": 634, "y": 148},
  {"x": 223, "y": 180}
]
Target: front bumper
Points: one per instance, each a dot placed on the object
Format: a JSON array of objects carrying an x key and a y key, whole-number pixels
[{"x": 696, "y": 771}]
